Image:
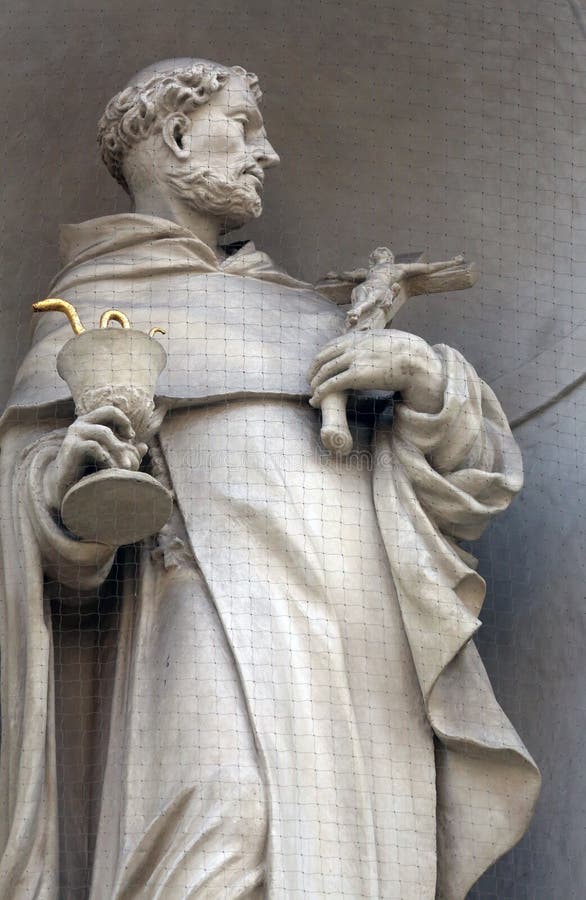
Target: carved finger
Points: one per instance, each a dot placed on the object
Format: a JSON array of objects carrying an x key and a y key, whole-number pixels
[
  {"x": 112, "y": 416},
  {"x": 329, "y": 369},
  {"x": 103, "y": 434},
  {"x": 129, "y": 461},
  {"x": 345, "y": 381},
  {"x": 118, "y": 449},
  {"x": 93, "y": 452},
  {"x": 330, "y": 352}
]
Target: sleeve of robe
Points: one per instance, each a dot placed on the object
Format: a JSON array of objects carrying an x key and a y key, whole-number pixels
[
  {"x": 439, "y": 478},
  {"x": 33, "y": 544},
  {"x": 79, "y": 565}
]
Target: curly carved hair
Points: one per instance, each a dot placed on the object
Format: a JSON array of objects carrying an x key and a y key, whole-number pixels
[{"x": 138, "y": 111}]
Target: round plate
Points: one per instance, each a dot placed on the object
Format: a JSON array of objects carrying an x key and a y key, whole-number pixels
[{"x": 116, "y": 507}]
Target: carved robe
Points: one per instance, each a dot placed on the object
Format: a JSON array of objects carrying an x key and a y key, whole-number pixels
[{"x": 295, "y": 677}]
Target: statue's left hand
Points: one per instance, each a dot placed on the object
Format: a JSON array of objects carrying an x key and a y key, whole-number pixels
[{"x": 383, "y": 360}]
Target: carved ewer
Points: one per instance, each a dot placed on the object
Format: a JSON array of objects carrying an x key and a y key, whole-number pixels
[{"x": 114, "y": 367}]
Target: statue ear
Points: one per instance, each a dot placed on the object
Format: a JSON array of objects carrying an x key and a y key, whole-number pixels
[{"x": 174, "y": 129}]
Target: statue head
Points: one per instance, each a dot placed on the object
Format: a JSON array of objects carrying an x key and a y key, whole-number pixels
[
  {"x": 191, "y": 128},
  {"x": 382, "y": 255}
]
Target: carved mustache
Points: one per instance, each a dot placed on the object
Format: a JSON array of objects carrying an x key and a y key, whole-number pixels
[{"x": 256, "y": 172}]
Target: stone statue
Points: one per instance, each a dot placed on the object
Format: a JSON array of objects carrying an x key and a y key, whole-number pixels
[{"x": 277, "y": 695}]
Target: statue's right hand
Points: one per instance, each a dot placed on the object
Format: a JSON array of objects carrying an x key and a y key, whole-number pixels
[{"x": 104, "y": 439}]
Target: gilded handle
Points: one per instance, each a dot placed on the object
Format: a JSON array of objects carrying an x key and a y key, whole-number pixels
[
  {"x": 114, "y": 315},
  {"x": 54, "y": 304}
]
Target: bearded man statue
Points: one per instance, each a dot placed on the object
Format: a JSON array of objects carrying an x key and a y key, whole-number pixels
[{"x": 278, "y": 695}]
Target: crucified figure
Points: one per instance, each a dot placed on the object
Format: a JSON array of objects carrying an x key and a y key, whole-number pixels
[{"x": 378, "y": 296}]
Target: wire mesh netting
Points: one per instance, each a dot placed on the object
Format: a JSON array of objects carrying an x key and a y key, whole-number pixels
[{"x": 262, "y": 475}]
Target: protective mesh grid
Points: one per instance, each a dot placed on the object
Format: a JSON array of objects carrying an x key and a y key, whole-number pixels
[{"x": 235, "y": 663}]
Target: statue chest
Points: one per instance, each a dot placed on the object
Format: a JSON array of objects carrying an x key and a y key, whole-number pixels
[{"x": 226, "y": 335}]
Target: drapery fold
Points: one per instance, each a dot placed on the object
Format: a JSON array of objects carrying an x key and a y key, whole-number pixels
[
  {"x": 439, "y": 477},
  {"x": 28, "y": 826}
]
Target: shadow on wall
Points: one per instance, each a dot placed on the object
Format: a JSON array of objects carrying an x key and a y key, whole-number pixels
[{"x": 533, "y": 645}]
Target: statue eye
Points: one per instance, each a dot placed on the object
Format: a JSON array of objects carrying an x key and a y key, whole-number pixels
[{"x": 242, "y": 120}]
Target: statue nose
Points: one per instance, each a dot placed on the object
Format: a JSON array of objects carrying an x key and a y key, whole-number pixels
[{"x": 266, "y": 156}]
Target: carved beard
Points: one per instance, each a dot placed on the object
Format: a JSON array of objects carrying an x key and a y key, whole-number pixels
[{"x": 235, "y": 200}]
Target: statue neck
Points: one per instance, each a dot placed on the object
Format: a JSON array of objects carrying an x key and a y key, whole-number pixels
[{"x": 205, "y": 227}]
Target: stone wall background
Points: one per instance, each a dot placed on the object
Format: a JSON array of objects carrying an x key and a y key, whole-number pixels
[{"x": 444, "y": 126}]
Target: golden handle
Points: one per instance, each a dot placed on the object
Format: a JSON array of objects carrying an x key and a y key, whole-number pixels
[
  {"x": 114, "y": 315},
  {"x": 54, "y": 304}
]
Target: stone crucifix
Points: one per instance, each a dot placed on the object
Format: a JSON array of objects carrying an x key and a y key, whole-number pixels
[{"x": 380, "y": 292}]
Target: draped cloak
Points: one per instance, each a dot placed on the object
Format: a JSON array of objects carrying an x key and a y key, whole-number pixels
[{"x": 242, "y": 331}]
